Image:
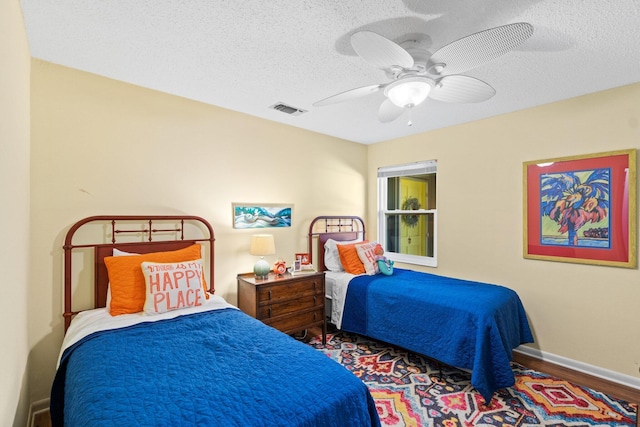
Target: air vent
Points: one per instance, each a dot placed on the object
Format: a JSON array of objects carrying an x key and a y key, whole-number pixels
[{"x": 293, "y": 111}]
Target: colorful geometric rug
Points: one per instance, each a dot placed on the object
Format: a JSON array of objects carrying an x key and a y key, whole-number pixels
[{"x": 411, "y": 390}]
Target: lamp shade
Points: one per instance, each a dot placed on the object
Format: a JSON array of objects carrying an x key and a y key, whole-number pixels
[{"x": 262, "y": 244}]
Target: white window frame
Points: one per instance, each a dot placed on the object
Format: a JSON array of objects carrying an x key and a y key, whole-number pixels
[{"x": 385, "y": 172}]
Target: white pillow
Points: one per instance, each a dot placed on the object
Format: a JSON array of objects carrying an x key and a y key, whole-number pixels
[
  {"x": 331, "y": 255},
  {"x": 118, "y": 252}
]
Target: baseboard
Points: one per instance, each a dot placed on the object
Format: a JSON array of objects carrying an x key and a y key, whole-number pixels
[
  {"x": 36, "y": 408},
  {"x": 585, "y": 368}
]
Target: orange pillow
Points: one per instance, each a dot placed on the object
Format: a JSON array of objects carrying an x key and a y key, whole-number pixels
[
  {"x": 128, "y": 290},
  {"x": 350, "y": 259}
]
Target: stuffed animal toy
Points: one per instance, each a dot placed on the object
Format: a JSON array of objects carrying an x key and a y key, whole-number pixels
[{"x": 384, "y": 264}]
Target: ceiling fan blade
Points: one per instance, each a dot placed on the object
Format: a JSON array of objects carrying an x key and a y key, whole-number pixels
[
  {"x": 461, "y": 89},
  {"x": 474, "y": 50},
  {"x": 389, "y": 111},
  {"x": 379, "y": 51},
  {"x": 348, "y": 95}
]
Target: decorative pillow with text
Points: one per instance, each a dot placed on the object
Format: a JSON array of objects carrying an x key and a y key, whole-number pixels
[
  {"x": 368, "y": 257},
  {"x": 172, "y": 286}
]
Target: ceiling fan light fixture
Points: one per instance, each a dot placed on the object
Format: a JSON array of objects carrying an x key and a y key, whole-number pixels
[{"x": 409, "y": 91}]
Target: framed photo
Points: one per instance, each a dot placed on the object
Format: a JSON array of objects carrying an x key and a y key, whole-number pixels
[
  {"x": 297, "y": 265},
  {"x": 261, "y": 215},
  {"x": 582, "y": 209},
  {"x": 304, "y": 258}
]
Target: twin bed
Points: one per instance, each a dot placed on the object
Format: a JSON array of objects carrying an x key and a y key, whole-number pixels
[
  {"x": 184, "y": 356},
  {"x": 461, "y": 323},
  {"x": 189, "y": 358}
]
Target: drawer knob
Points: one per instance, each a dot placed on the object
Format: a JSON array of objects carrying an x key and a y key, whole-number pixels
[
  {"x": 269, "y": 293},
  {"x": 269, "y": 311}
]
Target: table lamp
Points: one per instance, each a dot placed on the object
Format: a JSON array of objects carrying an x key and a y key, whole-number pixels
[{"x": 261, "y": 245}]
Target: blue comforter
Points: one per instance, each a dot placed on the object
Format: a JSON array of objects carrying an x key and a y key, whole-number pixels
[
  {"x": 464, "y": 324},
  {"x": 218, "y": 368}
]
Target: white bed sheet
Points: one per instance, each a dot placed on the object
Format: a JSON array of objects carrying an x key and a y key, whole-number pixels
[
  {"x": 99, "y": 319},
  {"x": 336, "y": 290}
]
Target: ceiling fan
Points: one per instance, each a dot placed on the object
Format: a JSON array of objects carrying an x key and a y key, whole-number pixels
[{"x": 416, "y": 74}]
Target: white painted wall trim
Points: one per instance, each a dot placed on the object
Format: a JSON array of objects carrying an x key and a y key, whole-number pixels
[
  {"x": 35, "y": 409},
  {"x": 622, "y": 379}
]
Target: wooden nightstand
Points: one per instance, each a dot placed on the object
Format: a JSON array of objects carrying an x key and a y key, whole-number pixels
[{"x": 288, "y": 303}]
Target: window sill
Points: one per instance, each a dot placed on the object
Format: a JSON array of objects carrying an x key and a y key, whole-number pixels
[{"x": 412, "y": 259}]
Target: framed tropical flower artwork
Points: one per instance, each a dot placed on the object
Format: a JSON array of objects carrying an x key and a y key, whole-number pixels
[{"x": 582, "y": 209}]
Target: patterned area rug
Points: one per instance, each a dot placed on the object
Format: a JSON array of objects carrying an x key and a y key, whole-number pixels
[{"x": 411, "y": 390}]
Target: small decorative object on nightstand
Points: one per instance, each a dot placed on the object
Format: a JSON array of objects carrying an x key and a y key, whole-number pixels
[
  {"x": 280, "y": 267},
  {"x": 288, "y": 303},
  {"x": 261, "y": 245}
]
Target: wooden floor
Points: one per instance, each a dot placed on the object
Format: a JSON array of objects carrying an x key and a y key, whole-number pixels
[
  {"x": 42, "y": 419},
  {"x": 610, "y": 388}
]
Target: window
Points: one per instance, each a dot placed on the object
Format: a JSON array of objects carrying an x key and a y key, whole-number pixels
[{"x": 407, "y": 215}]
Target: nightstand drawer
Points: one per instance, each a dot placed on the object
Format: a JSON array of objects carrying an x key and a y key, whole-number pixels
[
  {"x": 280, "y": 308},
  {"x": 286, "y": 302},
  {"x": 296, "y": 321},
  {"x": 287, "y": 291}
]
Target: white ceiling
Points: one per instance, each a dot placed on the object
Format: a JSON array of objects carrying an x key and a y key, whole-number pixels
[{"x": 248, "y": 55}]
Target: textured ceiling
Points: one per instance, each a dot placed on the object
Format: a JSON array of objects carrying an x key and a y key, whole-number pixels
[{"x": 248, "y": 55}]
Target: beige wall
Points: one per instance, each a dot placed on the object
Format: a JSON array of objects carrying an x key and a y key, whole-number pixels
[
  {"x": 585, "y": 313},
  {"x": 101, "y": 146},
  {"x": 14, "y": 214},
  {"x": 104, "y": 147}
]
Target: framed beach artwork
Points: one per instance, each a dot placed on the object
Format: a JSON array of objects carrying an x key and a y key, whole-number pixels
[
  {"x": 582, "y": 209},
  {"x": 261, "y": 215}
]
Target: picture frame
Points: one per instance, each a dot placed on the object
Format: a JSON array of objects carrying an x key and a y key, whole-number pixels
[
  {"x": 261, "y": 215},
  {"x": 581, "y": 209},
  {"x": 304, "y": 257}
]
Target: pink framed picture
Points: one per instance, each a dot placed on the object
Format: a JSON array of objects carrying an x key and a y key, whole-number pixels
[
  {"x": 581, "y": 209},
  {"x": 304, "y": 258}
]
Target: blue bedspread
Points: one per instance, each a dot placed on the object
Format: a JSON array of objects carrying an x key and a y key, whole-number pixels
[
  {"x": 464, "y": 324},
  {"x": 218, "y": 368}
]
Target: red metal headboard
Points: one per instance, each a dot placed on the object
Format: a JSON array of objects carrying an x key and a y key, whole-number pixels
[
  {"x": 333, "y": 227},
  {"x": 145, "y": 228}
]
